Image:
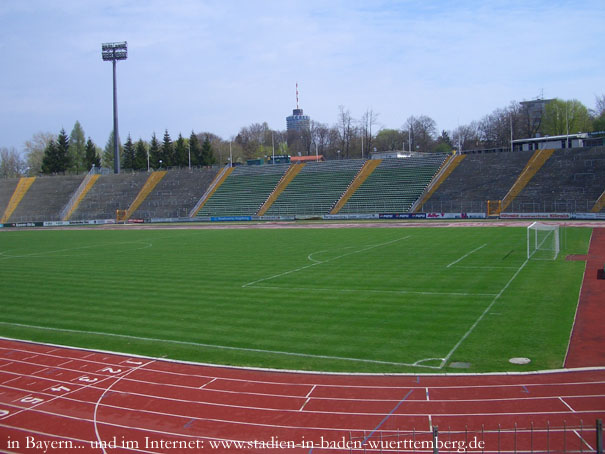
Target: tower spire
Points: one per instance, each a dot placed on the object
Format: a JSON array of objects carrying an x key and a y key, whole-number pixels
[{"x": 297, "y": 95}]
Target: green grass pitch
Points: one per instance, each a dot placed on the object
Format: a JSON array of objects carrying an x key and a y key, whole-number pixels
[{"x": 359, "y": 299}]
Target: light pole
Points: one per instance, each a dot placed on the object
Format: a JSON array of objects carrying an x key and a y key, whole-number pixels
[{"x": 114, "y": 52}]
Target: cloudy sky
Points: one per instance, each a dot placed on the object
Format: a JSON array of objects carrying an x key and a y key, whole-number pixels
[{"x": 218, "y": 65}]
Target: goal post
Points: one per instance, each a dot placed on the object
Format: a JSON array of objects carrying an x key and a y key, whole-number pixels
[{"x": 543, "y": 241}]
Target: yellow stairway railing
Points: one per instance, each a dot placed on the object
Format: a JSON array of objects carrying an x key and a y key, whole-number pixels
[
  {"x": 366, "y": 170},
  {"x": 218, "y": 180},
  {"x": 150, "y": 184},
  {"x": 90, "y": 182},
  {"x": 283, "y": 183},
  {"x": 442, "y": 174},
  {"x": 534, "y": 164},
  {"x": 22, "y": 187},
  {"x": 599, "y": 204}
]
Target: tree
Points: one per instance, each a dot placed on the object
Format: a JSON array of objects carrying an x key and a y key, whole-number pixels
[
  {"x": 140, "y": 155},
  {"x": 389, "y": 140},
  {"x": 181, "y": 153},
  {"x": 56, "y": 155},
  {"x": 34, "y": 151},
  {"x": 77, "y": 147},
  {"x": 207, "y": 154},
  {"x": 155, "y": 153},
  {"x": 167, "y": 151},
  {"x": 444, "y": 143},
  {"x": 128, "y": 155},
  {"x": 344, "y": 127},
  {"x": 563, "y": 117},
  {"x": 253, "y": 138},
  {"x": 91, "y": 156},
  {"x": 598, "y": 122},
  {"x": 422, "y": 131},
  {"x": 108, "y": 152},
  {"x": 195, "y": 149},
  {"x": 11, "y": 163},
  {"x": 599, "y": 106},
  {"x": 466, "y": 137},
  {"x": 368, "y": 121}
]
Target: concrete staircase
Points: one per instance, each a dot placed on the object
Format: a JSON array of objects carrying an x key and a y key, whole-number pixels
[
  {"x": 363, "y": 174},
  {"x": 22, "y": 187},
  {"x": 534, "y": 164},
  {"x": 285, "y": 180}
]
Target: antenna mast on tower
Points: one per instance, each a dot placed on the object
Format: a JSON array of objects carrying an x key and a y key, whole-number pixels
[{"x": 297, "y": 95}]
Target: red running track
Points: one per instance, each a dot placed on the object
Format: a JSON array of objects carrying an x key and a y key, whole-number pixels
[
  {"x": 587, "y": 345},
  {"x": 69, "y": 400}
]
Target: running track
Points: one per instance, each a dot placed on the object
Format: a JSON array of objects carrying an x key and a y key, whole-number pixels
[
  {"x": 81, "y": 397},
  {"x": 64, "y": 400}
]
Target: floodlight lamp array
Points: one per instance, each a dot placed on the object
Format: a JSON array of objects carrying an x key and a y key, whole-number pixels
[{"x": 114, "y": 51}]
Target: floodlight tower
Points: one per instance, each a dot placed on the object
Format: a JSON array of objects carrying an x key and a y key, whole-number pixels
[{"x": 114, "y": 52}]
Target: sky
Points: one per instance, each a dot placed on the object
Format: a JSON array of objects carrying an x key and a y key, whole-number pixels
[{"x": 219, "y": 65}]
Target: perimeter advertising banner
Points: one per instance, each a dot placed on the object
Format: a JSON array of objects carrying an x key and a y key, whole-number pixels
[
  {"x": 455, "y": 215},
  {"x": 535, "y": 216},
  {"x": 402, "y": 216}
]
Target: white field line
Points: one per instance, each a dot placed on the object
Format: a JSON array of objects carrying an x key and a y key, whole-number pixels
[
  {"x": 315, "y": 263},
  {"x": 590, "y": 448},
  {"x": 466, "y": 255},
  {"x": 566, "y": 404},
  {"x": 487, "y": 309},
  {"x": 575, "y": 315},
  {"x": 220, "y": 347},
  {"x": 37, "y": 254},
  {"x": 322, "y": 373},
  {"x": 297, "y": 397},
  {"x": 411, "y": 292},
  {"x": 94, "y": 416}
]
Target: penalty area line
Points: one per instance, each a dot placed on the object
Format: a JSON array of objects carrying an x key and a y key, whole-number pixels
[
  {"x": 466, "y": 255},
  {"x": 220, "y": 347},
  {"x": 482, "y": 316}
]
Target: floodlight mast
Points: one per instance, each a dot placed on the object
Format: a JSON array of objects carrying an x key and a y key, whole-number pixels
[{"x": 114, "y": 52}]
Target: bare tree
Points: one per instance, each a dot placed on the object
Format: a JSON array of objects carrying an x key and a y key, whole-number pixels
[
  {"x": 422, "y": 131},
  {"x": 368, "y": 121},
  {"x": 11, "y": 163},
  {"x": 599, "y": 109},
  {"x": 466, "y": 137},
  {"x": 345, "y": 130},
  {"x": 34, "y": 151}
]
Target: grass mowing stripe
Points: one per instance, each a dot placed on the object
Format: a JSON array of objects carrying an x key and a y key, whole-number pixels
[
  {"x": 391, "y": 305},
  {"x": 315, "y": 262},
  {"x": 220, "y": 347},
  {"x": 487, "y": 309}
]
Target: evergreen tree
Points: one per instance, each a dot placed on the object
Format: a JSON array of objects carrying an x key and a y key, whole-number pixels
[
  {"x": 77, "y": 148},
  {"x": 128, "y": 155},
  {"x": 195, "y": 149},
  {"x": 181, "y": 154},
  {"x": 91, "y": 156},
  {"x": 167, "y": 151},
  {"x": 207, "y": 153},
  {"x": 155, "y": 152},
  {"x": 56, "y": 157},
  {"x": 140, "y": 155},
  {"x": 49, "y": 159},
  {"x": 107, "y": 159},
  {"x": 63, "y": 161}
]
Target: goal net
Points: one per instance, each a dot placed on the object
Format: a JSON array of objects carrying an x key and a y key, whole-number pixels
[{"x": 542, "y": 241}]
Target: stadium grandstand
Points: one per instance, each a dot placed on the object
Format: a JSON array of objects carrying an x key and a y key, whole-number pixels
[{"x": 564, "y": 180}]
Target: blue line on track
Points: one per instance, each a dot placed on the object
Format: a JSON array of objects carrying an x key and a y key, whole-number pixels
[{"x": 383, "y": 420}]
